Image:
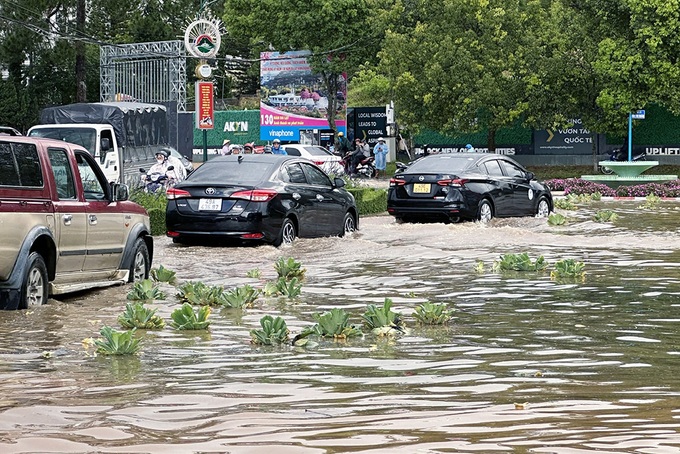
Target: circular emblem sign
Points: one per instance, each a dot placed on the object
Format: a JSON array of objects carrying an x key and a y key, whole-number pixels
[{"x": 202, "y": 38}]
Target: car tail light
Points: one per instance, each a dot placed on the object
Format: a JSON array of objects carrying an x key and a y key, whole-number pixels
[
  {"x": 256, "y": 195},
  {"x": 455, "y": 182},
  {"x": 174, "y": 194},
  {"x": 172, "y": 234},
  {"x": 319, "y": 163},
  {"x": 252, "y": 236},
  {"x": 397, "y": 182}
]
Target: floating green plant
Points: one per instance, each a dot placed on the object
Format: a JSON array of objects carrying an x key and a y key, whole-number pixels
[
  {"x": 568, "y": 268},
  {"x": 186, "y": 318},
  {"x": 274, "y": 331},
  {"x": 565, "y": 204},
  {"x": 651, "y": 202},
  {"x": 240, "y": 297},
  {"x": 380, "y": 316},
  {"x": 519, "y": 262},
  {"x": 254, "y": 273},
  {"x": 145, "y": 290},
  {"x": 605, "y": 216},
  {"x": 162, "y": 274},
  {"x": 139, "y": 316},
  {"x": 288, "y": 288},
  {"x": 289, "y": 268},
  {"x": 117, "y": 342},
  {"x": 200, "y": 294},
  {"x": 478, "y": 267},
  {"x": 556, "y": 219},
  {"x": 334, "y": 323},
  {"x": 432, "y": 314}
]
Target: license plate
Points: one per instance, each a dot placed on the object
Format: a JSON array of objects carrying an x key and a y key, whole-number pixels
[
  {"x": 210, "y": 204},
  {"x": 421, "y": 188}
]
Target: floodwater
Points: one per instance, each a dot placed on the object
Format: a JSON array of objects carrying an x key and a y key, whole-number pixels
[{"x": 528, "y": 364}]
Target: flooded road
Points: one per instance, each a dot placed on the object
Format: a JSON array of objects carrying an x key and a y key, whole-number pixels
[{"x": 527, "y": 365}]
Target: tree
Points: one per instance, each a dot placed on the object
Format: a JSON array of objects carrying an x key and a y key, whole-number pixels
[{"x": 340, "y": 34}]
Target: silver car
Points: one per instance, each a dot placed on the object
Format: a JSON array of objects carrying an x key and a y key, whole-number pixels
[{"x": 329, "y": 163}]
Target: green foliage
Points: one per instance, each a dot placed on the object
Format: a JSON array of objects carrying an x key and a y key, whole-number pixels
[
  {"x": 185, "y": 318},
  {"x": 478, "y": 267},
  {"x": 289, "y": 268},
  {"x": 369, "y": 200},
  {"x": 519, "y": 262},
  {"x": 274, "y": 331},
  {"x": 145, "y": 290},
  {"x": 162, "y": 274},
  {"x": 557, "y": 219},
  {"x": 200, "y": 294},
  {"x": 377, "y": 317},
  {"x": 651, "y": 202},
  {"x": 605, "y": 216},
  {"x": 240, "y": 297},
  {"x": 432, "y": 314},
  {"x": 139, "y": 316},
  {"x": 290, "y": 289},
  {"x": 157, "y": 222},
  {"x": 155, "y": 204},
  {"x": 568, "y": 268},
  {"x": 334, "y": 323},
  {"x": 117, "y": 342},
  {"x": 254, "y": 273},
  {"x": 565, "y": 204}
]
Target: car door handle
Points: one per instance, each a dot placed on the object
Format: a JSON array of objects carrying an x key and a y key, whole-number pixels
[
  {"x": 296, "y": 196},
  {"x": 68, "y": 218},
  {"x": 93, "y": 219}
]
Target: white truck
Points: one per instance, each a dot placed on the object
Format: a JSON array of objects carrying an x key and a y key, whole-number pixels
[{"x": 122, "y": 136}]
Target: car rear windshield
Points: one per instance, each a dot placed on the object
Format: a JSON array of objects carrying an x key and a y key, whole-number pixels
[
  {"x": 438, "y": 164},
  {"x": 317, "y": 151},
  {"x": 231, "y": 172}
]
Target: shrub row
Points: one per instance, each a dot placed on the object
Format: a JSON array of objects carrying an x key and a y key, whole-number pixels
[{"x": 578, "y": 186}]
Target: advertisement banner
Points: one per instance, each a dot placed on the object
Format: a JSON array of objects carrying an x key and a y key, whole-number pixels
[
  {"x": 294, "y": 99},
  {"x": 205, "y": 107}
]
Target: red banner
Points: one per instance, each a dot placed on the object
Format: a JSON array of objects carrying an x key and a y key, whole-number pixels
[{"x": 205, "y": 106}]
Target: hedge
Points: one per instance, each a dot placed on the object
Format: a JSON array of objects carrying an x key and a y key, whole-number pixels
[{"x": 369, "y": 200}]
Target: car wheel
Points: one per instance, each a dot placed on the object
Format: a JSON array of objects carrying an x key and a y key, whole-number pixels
[
  {"x": 485, "y": 212},
  {"x": 543, "y": 208},
  {"x": 139, "y": 268},
  {"x": 287, "y": 234},
  {"x": 349, "y": 224},
  {"x": 34, "y": 285}
]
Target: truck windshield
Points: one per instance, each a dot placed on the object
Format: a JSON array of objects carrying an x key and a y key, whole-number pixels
[{"x": 85, "y": 137}]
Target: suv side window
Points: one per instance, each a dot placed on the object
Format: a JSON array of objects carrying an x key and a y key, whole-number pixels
[
  {"x": 63, "y": 175},
  {"x": 93, "y": 187},
  {"x": 20, "y": 165}
]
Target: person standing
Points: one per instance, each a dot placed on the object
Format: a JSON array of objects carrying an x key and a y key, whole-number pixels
[
  {"x": 225, "y": 147},
  {"x": 276, "y": 147},
  {"x": 380, "y": 151}
]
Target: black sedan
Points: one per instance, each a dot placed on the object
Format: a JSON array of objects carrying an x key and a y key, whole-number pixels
[
  {"x": 472, "y": 186},
  {"x": 259, "y": 197}
]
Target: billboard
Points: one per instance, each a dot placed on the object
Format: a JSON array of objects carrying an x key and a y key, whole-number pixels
[{"x": 294, "y": 99}]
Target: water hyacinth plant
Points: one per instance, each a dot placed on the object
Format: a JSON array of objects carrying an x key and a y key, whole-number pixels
[
  {"x": 117, "y": 342},
  {"x": 651, "y": 202},
  {"x": 139, "y": 316},
  {"x": 556, "y": 219},
  {"x": 240, "y": 297},
  {"x": 605, "y": 216},
  {"x": 568, "y": 268},
  {"x": 289, "y": 268},
  {"x": 565, "y": 204},
  {"x": 433, "y": 314},
  {"x": 519, "y": 262},
  {"x": 162, "y": 274},
  {"x": 288, "y": 288},
  {"x": 185, "y": 318},
  {"x": 254, "y": 273},
  {"x": 382, "y": 316},
  {"x": 334, "y": 323},
  {"x": 145, "y": 290},
  {"x": 274, "y": 331},
  {"x": 199, "y": 294}
]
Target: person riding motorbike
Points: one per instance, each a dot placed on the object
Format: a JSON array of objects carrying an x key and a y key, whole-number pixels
[
  {"x": 165, "y": 165},
  {"x": 361, "y": 151}
]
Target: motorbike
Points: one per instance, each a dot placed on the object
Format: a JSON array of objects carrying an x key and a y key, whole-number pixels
[
  {"x": 365, "y": 168},
  {"x": 153, "y": 182},
  {"x": 620, "y": 155}
]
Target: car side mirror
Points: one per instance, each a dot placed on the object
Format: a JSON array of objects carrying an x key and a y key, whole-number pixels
[
  {"x": 171, "y": 167},
  {"x": 120, "y": 192},
  {"x": 141, "y": 170},
  {"x": 531, "y": 176},
  {"x": 339, "y": 182}
]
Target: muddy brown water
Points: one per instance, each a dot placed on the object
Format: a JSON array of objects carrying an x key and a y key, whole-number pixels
[{"x": 593, "y": 365}]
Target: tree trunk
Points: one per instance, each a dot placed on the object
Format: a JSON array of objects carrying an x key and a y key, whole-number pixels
[
  {"x": 491, "y": 139},
  {"x": 81, "y": 85}
]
